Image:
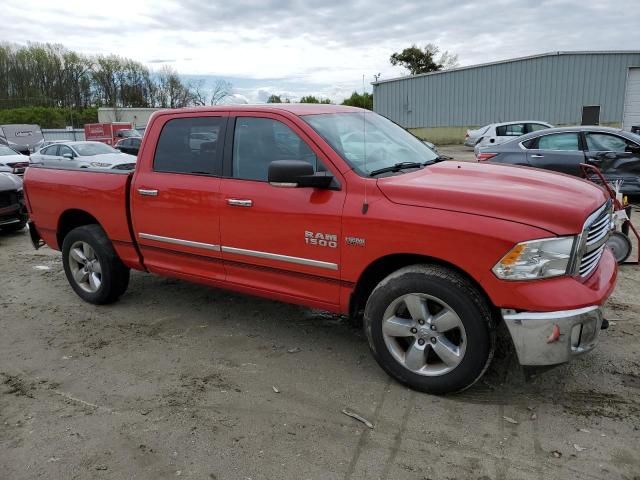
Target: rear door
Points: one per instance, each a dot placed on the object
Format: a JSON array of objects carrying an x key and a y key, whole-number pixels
[
  {"x": 285, "y": 240},
  {"x": 175, "y": 197},
  {"x": 49, "y": 156},
  {"x": 561, "y": 152}
]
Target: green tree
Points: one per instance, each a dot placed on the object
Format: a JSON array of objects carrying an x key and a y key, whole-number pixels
[
  {"x": 312, "y": 99},
  {"x": 362, "y": 100},
  {"x": 274, "y": 99},
  {"x": 418, "y": 60}
]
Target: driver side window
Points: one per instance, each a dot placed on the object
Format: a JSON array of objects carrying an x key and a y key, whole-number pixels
[
  {"x": 64, "y": 150},
  {"x": 259, "y": 141}
]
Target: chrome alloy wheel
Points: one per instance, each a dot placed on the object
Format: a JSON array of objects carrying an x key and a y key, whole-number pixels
[
  {"x": 424, "y": 334},
  {"x": 85, "y": 267}
]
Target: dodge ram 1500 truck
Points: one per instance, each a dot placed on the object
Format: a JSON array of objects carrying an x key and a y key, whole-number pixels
[{"x": 340, "y": 209}]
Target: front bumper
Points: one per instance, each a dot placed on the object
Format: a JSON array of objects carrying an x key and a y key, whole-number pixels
[{"x": 549, "y": 338}]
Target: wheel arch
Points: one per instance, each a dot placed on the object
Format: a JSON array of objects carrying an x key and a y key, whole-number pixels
[
  {"x": 70, "y": 219},
  {"x": 380, "y": 268}
]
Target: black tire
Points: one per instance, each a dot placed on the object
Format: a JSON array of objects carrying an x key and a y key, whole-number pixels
[
  {"x": 462, "y": 298},
  {"x": 114, "y": 274}
]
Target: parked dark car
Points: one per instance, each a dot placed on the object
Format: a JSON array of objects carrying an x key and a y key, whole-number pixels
[
  {"x": 129, "y": 145},
  {"x": 13, "y": 212},
  {"x": 615, "y": 152}
]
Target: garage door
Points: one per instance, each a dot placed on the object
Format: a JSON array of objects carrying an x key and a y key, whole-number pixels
[{"x": 632, "y": 100}]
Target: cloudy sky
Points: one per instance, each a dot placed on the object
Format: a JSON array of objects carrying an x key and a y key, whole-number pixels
[{"x": 320, "y": 47}]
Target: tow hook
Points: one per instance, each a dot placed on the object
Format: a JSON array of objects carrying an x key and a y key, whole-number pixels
[{"x": 605, "y": 324}]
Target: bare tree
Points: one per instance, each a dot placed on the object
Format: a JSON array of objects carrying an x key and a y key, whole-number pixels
[{"x": 221, "y": 90}]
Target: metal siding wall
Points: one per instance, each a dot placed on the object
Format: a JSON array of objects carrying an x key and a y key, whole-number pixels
[{"x": 552, "y": 88}]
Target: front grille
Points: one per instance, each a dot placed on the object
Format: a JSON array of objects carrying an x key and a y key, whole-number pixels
[{"x": 594, "y": 236}]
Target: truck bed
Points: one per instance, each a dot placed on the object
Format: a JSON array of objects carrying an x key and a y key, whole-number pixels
[{"x": 102, "y": 194}]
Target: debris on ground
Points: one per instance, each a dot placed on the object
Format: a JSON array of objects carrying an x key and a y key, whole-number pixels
[
  {"x": 579, "y": 448},
  {"x": 294, "y": 350},
  {"x": 351, "y": 414},
  {"x": 511, "y": 420},
  {"x": 275, "y": 389},
  {"x": 556, "y": 454}
]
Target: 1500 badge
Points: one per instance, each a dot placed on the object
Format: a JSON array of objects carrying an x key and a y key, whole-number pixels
[{"x": 321, "y": 239}]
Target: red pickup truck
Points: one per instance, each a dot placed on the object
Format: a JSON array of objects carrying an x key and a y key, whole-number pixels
[{"x": 340, "y": 209}]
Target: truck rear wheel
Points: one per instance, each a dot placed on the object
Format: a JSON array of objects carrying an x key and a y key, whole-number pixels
[
  {"x": 430, "y": 329},
  {"x": 93, "y": 268}
]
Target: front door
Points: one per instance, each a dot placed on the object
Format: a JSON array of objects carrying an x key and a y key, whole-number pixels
[
  {"x": 561, "y": 152},
  {"x": 175, "y": 197},
  {"x": 617, "y": 157},
  {"x": 285, "y": 240}
]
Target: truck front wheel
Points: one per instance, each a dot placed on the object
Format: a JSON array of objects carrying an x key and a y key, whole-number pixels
[
  {"x": 93, "y": 268},
  {"x": 430, "y": 328}
]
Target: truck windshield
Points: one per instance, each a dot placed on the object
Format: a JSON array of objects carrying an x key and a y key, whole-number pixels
[
  {"x": 369, "y": 142},
  {"x": 93, "y": 148}
]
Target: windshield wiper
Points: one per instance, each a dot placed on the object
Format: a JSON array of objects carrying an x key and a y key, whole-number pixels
[{"x": 396, "y": 168}]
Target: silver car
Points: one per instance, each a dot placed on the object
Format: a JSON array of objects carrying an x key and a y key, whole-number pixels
[
  {"x": 497, "y": 133},
  {"x": 83, "y": 155}
]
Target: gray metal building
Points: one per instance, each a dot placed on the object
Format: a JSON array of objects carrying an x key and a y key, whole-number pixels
[{"x": 553, "y": 87}]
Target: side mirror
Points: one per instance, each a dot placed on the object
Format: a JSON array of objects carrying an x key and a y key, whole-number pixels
[
  {"x": 68, "y": 156},
  {"x": 296, "y": 173}
]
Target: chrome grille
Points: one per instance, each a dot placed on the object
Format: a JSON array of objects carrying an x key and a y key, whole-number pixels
[{"x": 594, "y": 236}]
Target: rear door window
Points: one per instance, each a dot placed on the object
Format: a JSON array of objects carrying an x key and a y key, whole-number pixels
[
  {"x": 191, "y": 146},
  {"x": 511, "y": 130},
  {"x": 559, "y": 141}
]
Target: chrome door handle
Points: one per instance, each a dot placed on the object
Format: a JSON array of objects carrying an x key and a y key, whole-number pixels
[
  {"x": 238, "y": 202},
  {"x": 537, "y": 156},
  {"x": 148, "y": 192}
]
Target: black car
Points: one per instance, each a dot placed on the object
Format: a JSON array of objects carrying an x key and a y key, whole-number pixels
[
  {"x": 129, "y": 145},
  {"x": 615, "y": 152},
  {"x": 13, "y": 212}
]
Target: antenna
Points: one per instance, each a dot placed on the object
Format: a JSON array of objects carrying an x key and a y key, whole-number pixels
[{"x": 365, "y": 204}]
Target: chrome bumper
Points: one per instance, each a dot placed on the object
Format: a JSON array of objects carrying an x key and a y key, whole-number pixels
[{"x": 548, "y": 338}]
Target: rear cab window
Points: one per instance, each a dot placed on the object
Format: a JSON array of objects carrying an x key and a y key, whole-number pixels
[{"x": 190, "y": 146}]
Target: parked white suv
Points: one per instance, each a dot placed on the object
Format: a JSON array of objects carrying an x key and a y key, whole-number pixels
[{"x": 497, "y": 133}]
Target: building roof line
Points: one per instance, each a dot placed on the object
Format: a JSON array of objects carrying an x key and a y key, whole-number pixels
[{"x": 511, "y": 60}]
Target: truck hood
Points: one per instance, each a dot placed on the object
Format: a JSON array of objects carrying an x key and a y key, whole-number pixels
[
  {"x": 9, "y": 181},
  {"x": 555, "y": 202}
]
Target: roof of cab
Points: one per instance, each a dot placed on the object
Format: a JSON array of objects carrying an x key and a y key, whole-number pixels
[{"x": 293, "y": 108}]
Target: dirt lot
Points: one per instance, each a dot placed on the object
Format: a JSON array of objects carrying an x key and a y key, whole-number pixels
[{"x": 177, "y": 380}]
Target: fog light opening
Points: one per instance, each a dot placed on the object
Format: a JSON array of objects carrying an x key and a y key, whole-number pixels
[{"x": 576, "y": 335}]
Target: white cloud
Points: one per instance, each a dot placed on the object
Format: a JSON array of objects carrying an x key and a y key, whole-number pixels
[{"x": 320, "y": 47}]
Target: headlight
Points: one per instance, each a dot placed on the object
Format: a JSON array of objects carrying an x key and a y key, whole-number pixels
[
  {"x": 99, "y": 164},
  {"x": 545, "y": 258}
]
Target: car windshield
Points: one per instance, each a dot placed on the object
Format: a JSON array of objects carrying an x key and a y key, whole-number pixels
[
  {"x": 4, "y": 150},
  {"x": 94, "y": 148},
  {"x": 368, "y": 141}
]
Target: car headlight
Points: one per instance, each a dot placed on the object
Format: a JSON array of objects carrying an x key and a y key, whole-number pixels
[
  {"x": 544, "y": 258},
  {"x": 99, "y": 164}
]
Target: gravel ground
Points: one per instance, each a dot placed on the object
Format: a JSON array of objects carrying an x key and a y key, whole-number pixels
[{"x": 178, "y": 380}]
